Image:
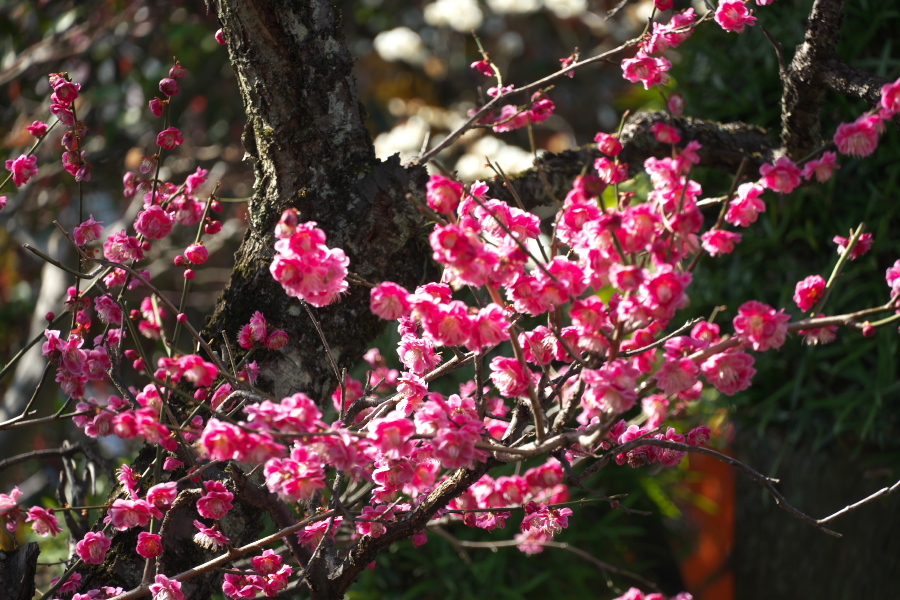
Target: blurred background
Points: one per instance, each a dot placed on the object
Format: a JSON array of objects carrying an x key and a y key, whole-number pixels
[{"x": 824, "y": 419}]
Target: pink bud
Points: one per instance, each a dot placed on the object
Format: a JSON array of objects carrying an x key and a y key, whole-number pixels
[
  {"x": 868, "y": 329},
  {"x": 50, "y": 316},
  {"x": 276, "y": 340},
  {"x": 135, "y": 314},
  {"x": 216, "y": 206},
  {"x": 177, "y": 71},
  {"x": 168, "y": 86},
  {"x": 131, "y": 354},
  {"x": 197, "y": 254},
  {"x": 201, "y": 394},
  {"x": 220, "y": 36},
  {"x": 189, "y": 274},
  {"x": 157, "y": 106},
  {"x": 179, "y": 261},
  {"x": 139, "y": 365},
  {"x": 212, "y": 228},
  {"x": 182, "y": 318}
]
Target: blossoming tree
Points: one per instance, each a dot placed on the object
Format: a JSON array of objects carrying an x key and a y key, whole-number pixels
[{"x": 565, "y": 333}]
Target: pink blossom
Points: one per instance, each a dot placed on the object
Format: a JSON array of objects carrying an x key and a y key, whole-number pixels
[
  {"x": 169, "y": 138},
  {"x": 2, "y": 202},
  {"x": 92, "y": 547},
  {"x": 166, "y": 589},
  {"x": 676, "y": 102},
  {"x": 809, "y": 291},
  {"x": 497, "y": 91},
  {"x": 276, "y": 340},
  {"x": 391, "y": 434},
  {"x": 197, "y": 254},
  {"x": 665, "y": 134},
  {"x": 157, "y": 106},
  {"x": 863, "y": 245},
  {"x": 22, "y": 169},
  {"x": 822, "y": 168},
  {"x": 733, "y": 15},
  {"x": 677, "y": 375},
  {"x": 154, "y": 223},
  {"x": 648, "y": 70},
  {"x": 893, "y": 278},
  {"x": 295, "y": 478},
  {"x": 125, "y": 514},
  {"x": 608, "y": 143},
  {"x": 43, "y": 521},
  {"x": 306, "y": 268},
  {"x": 483, "y": 67},
  {"x": 169, "y": 87},
  {"x": 210, "y": 538},
  {"x": 720, "y": 241},
  {"x": 782, "y": 176},
  {"x": 890, "y": 98},
  {"x": 376, "y": 516},
  {"x": 819, "y": 335},
  {"x": 163, "y": 495},
  {"x": 745, "y": 208},
  {"x": 610, "y": 171},
  {"x": 88, "y": 231},
  {"x": 509, "y": 376},
  {"x": 730, "y": 372},
  {"x": 65, "y": 92},
  {"x": 121, "y": 247},
  {"x": 859, "y": 138},
  {"x": 389, "y": 300},
  {"x": 149, "y": 545},
  {"x": 761, "y": 325},
  {"x": 665, "y": 292},
  {"x": 490, "y": 327},
  {"x": 37, "y": 129},
  {"x": 443, "y": 194}
]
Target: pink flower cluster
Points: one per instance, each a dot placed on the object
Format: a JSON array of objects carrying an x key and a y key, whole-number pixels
[
  {"x": 257, "y": 332},
  {"x": 269, "y": 576},
  {"x": 304, "y": 265}
]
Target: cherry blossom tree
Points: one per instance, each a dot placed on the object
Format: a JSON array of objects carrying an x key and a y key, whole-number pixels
[{"x": 565, "y": 335}]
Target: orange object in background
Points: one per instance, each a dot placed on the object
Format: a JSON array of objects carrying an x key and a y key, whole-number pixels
[{"x": 706, "y": 572}]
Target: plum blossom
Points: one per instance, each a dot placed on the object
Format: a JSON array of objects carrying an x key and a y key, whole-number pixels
[
  {"x": 649, "y": 70},
  {"x": 859, "y": 138},
  {"x": 863, "y": 245},
  {"x": 166, "y": 589},
  {"x": 22, "y": 169},
  {"x": 733, "y": 16},
  {"x": 92, "y": 547},
  {"x": 216, "y": 502},
  {"x": 782, "y": 176},
  {"x": 125, "y": 514},
  {"x": 88, "y": 231},
  {"x": 822, "y": 168},
  {"x": 149, "y": 545},
  {"x": 43, "y": 521},
  {"x": 761, "y": 325},
  {"x": 809, "y": 291},
  {"x": 729, "y": 372},
  {"x": 169, "y": 138},
  {"x": 720, "y": 241}
]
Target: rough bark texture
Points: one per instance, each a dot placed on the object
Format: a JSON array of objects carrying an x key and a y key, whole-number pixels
[
  {"x": 17, "y": 569},
  {"x": 801, "y": 101},
  {"x": 306, "y": 137},
  {"x": 724, "y": 146}
]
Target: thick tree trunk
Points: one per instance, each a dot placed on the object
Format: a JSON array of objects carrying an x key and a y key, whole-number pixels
[{"x": 307, "y": 139}]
